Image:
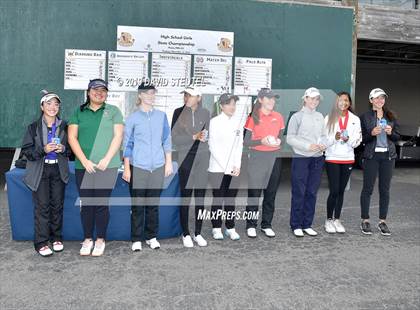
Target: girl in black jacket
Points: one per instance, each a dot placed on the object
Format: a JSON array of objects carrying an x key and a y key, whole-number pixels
[
  {"x": 47, "y": 172},
  {"x": 380, "y": 132}
]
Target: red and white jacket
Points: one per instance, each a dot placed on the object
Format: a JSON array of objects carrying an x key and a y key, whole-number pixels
[{"x": 337, "y": 151}]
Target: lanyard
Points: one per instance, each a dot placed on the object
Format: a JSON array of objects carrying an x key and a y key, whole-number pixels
[
  {"x": 346, "y": 120},
  {"x": 52, "y": 133},
  {"x": 53, "y": 129}
]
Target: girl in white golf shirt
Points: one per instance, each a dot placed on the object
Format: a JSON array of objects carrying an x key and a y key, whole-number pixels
[{"x": 225, "y": 144}]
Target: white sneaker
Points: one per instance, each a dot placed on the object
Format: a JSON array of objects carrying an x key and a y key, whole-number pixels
[
  {"x": 232, "y": 234},
  {"x": 187, "y": 241},
  {"x": 153, "y": 243},
  {"x": 136, "y": 246},
  {"x": 58, "y": 246},
  {"x": 339, "y": 227},
  {"x": 251, "y": 232},
  {"x": 268, "y": 232},
  {"x": 298, "y": 232},
  {"x": 329, "y": 226},
  {"x": 217, "y": 234},
  {"x": 45, "y": 251},
  {"x": 86, "y": 248},
  {"x": 310, "y": 232},
  {"x": 200, "y": 240},
  {"x": 99, "y": 249}
]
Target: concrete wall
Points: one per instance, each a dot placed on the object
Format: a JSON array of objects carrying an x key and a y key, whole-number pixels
[
  {"x": 400, "y": 82},
  {"x": 391, "y": 23}
]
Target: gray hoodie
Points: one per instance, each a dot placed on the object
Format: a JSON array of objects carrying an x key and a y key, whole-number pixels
[{"x": 306, "y": 127}]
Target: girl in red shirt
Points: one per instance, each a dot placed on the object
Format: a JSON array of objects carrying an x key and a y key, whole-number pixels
[{"x": 263, "y": 130}]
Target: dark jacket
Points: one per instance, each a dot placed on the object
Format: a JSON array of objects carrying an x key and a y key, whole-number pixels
[
  {"x": 185, "y": 124},
  {"x": 368, "y": 121},
  {"x": 33, "y": 148}
]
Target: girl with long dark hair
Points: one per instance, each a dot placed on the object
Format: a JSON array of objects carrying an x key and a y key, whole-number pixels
[
  {"x": 380, "y": 132},
  {"x": 263, "y": 131},
  {"x": 344, "y": 135}
]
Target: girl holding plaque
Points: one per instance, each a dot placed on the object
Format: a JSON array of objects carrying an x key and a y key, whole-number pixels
[
  {"x": 344, "y": 135},
  {"x": 380, "y": 132},
  {"x": 47, "y": 173}
]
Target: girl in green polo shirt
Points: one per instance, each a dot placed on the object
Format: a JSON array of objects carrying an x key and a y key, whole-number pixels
[{"x": 95, "y": 136}]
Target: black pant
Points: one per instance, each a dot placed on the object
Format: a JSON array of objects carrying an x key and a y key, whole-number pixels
[
  {"x": 48, "y": 207},
  {"x": 338, "y": 177},
  {"x": 94, "y": 191},
  {"x": 145, "y": 189},
  {"x": 225, "y": 188},
  {"x": 193, "y": 179},
  {"x": 264, "y": 170},
  {"x": 382, "y": 166}
]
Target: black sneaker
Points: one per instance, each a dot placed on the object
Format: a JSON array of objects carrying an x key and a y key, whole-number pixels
[
  {"x": 383, "y": 228},
  {"x": 366, "y": 229}
]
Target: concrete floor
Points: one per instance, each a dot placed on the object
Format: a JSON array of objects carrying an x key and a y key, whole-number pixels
[{"x": 349, "y": 271}]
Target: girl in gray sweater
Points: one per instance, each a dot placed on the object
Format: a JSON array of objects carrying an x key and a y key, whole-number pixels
[{"x": 307, "y": 137}]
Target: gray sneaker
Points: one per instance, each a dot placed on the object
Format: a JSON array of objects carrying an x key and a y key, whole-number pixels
[
  {"x": 383, "y": 228},
  {"x": 366, "y": 229}
]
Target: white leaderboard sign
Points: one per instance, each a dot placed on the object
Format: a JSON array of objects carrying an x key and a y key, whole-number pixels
[
  {"x": 251, "y": 74},
  {"x": 214, "y": 73},
  {"x": 170, "y": 73},
  {"x": 168, "y": 40},
  {"x": 80, "y": 66},
  {"x": 126, "y": 70},
  {"x": 170, "y": 52}
]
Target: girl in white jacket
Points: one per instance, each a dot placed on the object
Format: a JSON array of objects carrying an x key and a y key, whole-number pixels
[
  {"x": 344, "y": 134},
  {"x": 225, "y": 144}
]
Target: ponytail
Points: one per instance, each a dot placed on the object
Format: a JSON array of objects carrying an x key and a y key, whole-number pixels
[
  {"x": 87, "y": 101},
  {"x": 255, "y": 113},
  {"x": 216, "y": 109}
]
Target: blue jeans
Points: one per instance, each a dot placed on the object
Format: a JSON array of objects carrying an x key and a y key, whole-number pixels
[{"x": 306, "y": 178}]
